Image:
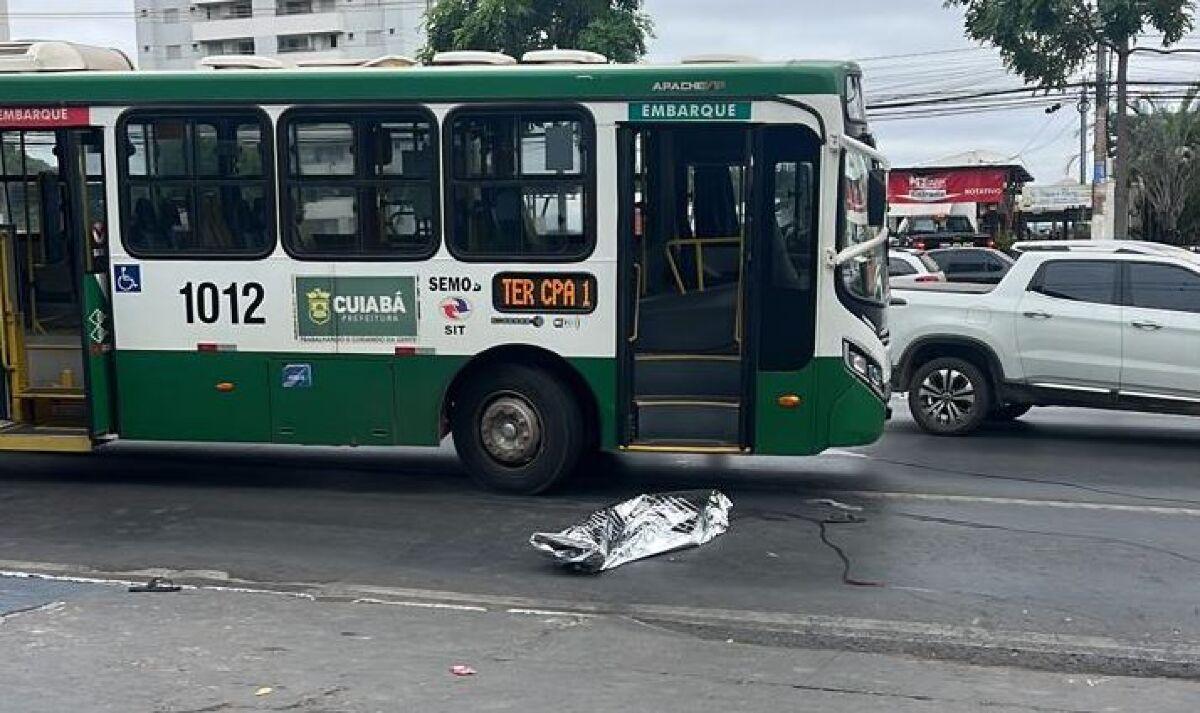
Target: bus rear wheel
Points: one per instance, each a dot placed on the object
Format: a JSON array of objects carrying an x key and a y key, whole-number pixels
[{"x": 517, "y": 429}]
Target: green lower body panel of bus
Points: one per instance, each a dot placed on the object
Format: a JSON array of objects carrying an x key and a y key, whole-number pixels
[
  {"x": 835, "y": 409},
  {"x": 331, "y": 399},
  {"x": 310, "y": 399}
]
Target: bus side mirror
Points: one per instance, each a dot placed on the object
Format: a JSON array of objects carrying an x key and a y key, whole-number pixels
[{"x": 877, "y": 198}]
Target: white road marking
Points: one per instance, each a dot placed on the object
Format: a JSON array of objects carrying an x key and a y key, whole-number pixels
[
  {"x": 420, "y": 605},
  {"x": 844, "y": 453},
  {"x": 1028, "y": 502},
  {"x": 549, "y": 612}
]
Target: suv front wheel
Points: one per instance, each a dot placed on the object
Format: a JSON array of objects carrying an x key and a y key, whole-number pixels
[{"x": 949, "y": 396}]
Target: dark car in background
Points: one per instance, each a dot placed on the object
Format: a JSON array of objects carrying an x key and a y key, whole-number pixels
[
  {"x": 978, "y": 265},
  {"x": 930, "y": 232}
]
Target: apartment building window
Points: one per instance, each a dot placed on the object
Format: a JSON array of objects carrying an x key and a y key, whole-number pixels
[
  {"x": 170, "y": 17},
  {"x": 240, "y": 9},
  {"x": 307, "y": 43},
  {"x": 174, "y": 52},
  {"x": 245, "y": 46},
  {"x": 294, "y": 7},
  {"x": 295, "y": 43}
]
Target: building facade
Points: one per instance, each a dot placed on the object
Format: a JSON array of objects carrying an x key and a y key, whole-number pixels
[
  {"x": 980, "y": 186},
  {"x": 175, "y": 34},
  {"x": 5, "y": 33}
]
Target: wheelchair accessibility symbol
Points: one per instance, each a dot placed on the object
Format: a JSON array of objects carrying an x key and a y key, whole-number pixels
[{"x": 127, "y": 278}]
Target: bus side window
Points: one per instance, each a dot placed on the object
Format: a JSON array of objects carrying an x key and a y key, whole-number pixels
[
  {"x": 196, "y": 183},
  {"x": 520, "y": 185},
  {"x": 360, "y": 187}
]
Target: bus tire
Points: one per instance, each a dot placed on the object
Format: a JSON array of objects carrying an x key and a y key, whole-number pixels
[
  {"x": 949, "y": 396},
  {"x": 518, "y": 429}
]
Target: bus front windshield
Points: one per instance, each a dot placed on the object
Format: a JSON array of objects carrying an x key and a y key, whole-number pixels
[{"x": 864, "y": 276}]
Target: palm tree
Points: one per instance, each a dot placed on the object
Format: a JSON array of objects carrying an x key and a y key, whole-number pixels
[{"x": 1165, "y": 166}]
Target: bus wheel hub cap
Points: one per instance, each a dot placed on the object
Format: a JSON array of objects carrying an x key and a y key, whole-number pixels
[{"x": 510, "y": 430}]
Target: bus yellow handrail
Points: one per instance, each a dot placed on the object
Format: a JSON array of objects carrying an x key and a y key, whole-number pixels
[
  {"x": 637, "y": 303},
  {"x": 698, "y": 244}
]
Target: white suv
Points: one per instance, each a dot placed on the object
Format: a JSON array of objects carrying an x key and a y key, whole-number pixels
[
  {"x": 912, "y": 267},
  {"x": 1113, "y": 326}
]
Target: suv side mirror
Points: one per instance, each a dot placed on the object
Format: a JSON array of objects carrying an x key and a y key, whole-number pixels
[{"x": 877, "y": 197}]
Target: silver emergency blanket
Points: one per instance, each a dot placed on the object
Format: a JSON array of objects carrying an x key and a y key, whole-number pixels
[{"x": 640, "y": 527}]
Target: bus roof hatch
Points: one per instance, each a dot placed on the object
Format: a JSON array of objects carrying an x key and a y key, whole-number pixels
[{"x": 56, "y": 56}]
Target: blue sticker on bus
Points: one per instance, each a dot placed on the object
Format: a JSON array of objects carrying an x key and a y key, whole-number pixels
[
  {"x": 127, "y": 278},
  {"x": 297, "y": 376}
]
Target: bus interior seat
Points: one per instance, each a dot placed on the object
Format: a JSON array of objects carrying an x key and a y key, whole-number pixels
[
  {"x": 783, "y": 268},
  {"x": 508, "y": 218},
  {"x": 145, "y": 230},
  {"x": 213, "y": 228},
  {"x": 691, "y": 323}
]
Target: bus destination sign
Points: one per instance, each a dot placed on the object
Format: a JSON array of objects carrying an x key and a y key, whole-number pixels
[
  {"x": 689, "y": 111},
  {"x": 569, "y": 293}
]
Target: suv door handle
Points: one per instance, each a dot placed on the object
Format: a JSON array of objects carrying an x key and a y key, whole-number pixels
[
  {"x": 1148, "y": 326},
  {"x": 1038, "y": 315}
]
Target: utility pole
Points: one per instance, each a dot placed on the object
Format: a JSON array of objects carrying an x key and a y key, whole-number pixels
[
  {"x": 1121, "y": 165},
  {"x": 1083, "y": 107},
  {"x": 1100, "y": 141}
]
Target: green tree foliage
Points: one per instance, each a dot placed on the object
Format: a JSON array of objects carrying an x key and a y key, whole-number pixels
[
  {"x": 1046, "y": 41},
  {"x": 615, "y": 28},
  {"x": 1164, "y": 164}
]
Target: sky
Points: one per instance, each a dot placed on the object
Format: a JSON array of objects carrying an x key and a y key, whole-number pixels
[{"x": 905, "y": 47}]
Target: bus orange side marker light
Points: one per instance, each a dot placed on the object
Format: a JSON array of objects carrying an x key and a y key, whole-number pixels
[
  {"x": 225, "y": 386},
  {"x": 789, "y": 401}
]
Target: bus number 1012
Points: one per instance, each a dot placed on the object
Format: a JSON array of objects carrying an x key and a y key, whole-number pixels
[{"x": 205, "y": 302}]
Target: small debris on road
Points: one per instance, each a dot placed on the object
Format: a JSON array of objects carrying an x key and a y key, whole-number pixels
[
  {"x": 639, "y": 527},
  {"x": 264, "y": 691},
  {"x": 156, "y": 584},
  {"x": 461, "y": 669}
]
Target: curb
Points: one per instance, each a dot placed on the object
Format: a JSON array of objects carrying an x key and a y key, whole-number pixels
[{"x": 1064, "y": 653}]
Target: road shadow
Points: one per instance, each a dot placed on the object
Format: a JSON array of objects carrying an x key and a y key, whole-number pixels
[
  {"x": 602, "y": 477},
  {"x": 1077, "y": 427}
]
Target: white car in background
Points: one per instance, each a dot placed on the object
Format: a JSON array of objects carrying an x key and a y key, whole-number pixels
[{"x": 912, "y": 267}]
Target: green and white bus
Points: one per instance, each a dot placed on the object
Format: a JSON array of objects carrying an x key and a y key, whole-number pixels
[{"x": 544, "y": 258}]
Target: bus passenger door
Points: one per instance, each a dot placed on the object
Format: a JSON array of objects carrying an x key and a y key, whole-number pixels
[
  {"x": 87, "y": 233},
  {"x": 48, "y": 196},
  {"x": 684, "y": 202},
  {"x": 783, "y": 291}
]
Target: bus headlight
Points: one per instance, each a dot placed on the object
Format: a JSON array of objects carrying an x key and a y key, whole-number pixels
[{"x": 859, "y": 363}]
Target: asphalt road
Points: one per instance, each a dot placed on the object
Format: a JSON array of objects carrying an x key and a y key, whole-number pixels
[{"x": 1074, "y": 524}]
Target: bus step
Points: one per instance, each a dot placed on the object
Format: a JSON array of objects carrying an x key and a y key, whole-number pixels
[
  {"x": 687, "y": 376},
  {"x": 677, "y": 446},
  {"x": 52, "y": 393},
  {"x": 710, "y": 421},
  {"x": 24, "y": 437}
]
